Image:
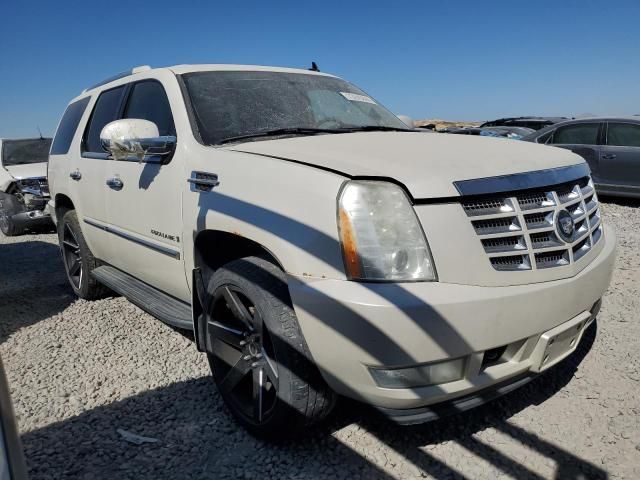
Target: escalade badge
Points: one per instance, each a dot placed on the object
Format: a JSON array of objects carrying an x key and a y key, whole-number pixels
[{"x": 564, "y": 225}]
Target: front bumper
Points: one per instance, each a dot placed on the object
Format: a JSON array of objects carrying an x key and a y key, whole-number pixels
[
  {"x": 32, "y": 214},
  {"x": 350, "y": 326},
  {"x": 33, "y": 218}
]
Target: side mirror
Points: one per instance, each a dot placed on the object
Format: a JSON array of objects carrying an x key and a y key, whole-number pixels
[
  {"x": 408, "y": 121},
  {"x": 135, "y": 139}
]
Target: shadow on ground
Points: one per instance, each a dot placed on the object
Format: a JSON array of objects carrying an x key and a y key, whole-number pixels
[
  {"x": 623, "y": 201},
  {"x": 198, "y": 439},
  {"x": 33, "y": 285}
]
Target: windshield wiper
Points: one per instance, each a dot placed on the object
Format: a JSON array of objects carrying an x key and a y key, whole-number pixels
[
  {"x": 376, "y": 128},
  {"x": 282, "y": 131}
]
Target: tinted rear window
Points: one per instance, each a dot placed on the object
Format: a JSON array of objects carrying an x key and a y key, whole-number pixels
[
  {"x": 19, "y": 152},
  {"x": 106, "y": 110},
  {"x": 579, "y": 134},
  {"x": 68, "y": 126},
  {"x": 623, "y": 135}
]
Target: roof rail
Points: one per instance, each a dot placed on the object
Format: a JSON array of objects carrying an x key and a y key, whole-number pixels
[{"x": 141, "y": 68}]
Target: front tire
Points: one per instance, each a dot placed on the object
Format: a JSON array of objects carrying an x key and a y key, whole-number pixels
[
  {"x": 258, "y": 356},
  {"x": 78, "y": 259},
  {"x": 8, "y": 226}
]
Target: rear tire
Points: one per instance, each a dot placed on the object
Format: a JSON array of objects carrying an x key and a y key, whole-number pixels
[
  {"x": 78, "y": 259},
  {"x": 258, "y": 356}
]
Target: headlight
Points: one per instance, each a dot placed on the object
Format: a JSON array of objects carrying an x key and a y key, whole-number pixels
[
  {"x": 380, "y": 234},
  {"x": 29, "y": 185}
]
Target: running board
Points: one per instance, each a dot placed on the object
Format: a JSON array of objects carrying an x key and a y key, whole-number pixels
[{"x": 162, "y": 306}]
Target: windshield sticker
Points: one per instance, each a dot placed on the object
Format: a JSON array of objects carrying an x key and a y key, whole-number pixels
[{"x": 354, "y": 97}]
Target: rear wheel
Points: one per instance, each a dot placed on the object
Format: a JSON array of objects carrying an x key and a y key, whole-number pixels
[
  {"x": 78, "y": 259},
  {"x": 257, "y": 354}
]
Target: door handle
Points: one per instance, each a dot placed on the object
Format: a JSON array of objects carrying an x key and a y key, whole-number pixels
[
  {"x": 609, "y": 156},
  {"x": 115, "y": 183},
  {"x": 203, "y": 181},
  {"x": 75, "y": 175}
]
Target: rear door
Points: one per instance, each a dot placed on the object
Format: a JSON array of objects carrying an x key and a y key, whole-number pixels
[
  {"x": 581, "y": 138},
  {"x": 145, "y": 213},
  {"x": 620, "y": 156}
]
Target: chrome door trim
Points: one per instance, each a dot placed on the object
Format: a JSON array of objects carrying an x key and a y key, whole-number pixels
[
  {"x": 522, "y": 181},
  {"x": 170, "y": 252}
]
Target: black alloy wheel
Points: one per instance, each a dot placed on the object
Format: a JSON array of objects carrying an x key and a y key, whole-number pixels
[
  {"x": 71, "y": 256},
  {"x": 243, "y": 355},
  {"x": 77, "y": 258}
]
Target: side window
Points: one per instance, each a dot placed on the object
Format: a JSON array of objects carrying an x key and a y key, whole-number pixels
[
  {"x": 623, "y": 135},
  {"x": 68, "y": 126},
  {"x": 578, "y": 134},
  {"x": 546, "y": 138},
  {"x": 106, "y": 110},
  {"x": 148, "y": 101}
]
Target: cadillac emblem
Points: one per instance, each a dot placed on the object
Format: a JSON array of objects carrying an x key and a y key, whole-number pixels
[{"x": 565, "y": 226}]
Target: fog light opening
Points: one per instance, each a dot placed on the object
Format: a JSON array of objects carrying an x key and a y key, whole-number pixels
[{"x": 419, "y": 375}]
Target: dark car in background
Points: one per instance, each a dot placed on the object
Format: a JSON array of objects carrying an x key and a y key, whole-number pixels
[
  {"x": 514, "y": 133},
  {"x": 610, "y": 145},
  {"x": 535, "y": 123}
]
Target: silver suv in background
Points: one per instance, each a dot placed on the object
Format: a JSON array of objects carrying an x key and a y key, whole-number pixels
[
  {"x": 318, "y": 246},
  {"x": 24, "y": 191}
]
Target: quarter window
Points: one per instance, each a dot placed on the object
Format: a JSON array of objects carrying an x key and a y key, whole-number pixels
[
  {"x": 148, "y": 101},
  {"x": 106, "y": 110},
  {"x": 623, "y": 135},
  {"x": 578, "y": 134},
  {"x": 68, "y": 125}
]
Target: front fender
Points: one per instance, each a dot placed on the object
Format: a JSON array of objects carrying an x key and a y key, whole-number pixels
[{"x": 287, "y": 208}]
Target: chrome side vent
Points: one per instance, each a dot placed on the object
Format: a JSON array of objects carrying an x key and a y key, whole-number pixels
[
  {"x": 529, "y": 201},
  {"x": 496, "y": 225},
  {"x": 489, "y": 206},
  {"x": 552, "y": 259},
  {"x": 504, "y": 244},
  {"x": 511, "y": 263},
  {"x": 539, "y": 220}
]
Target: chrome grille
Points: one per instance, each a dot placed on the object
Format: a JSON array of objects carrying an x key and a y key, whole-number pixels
[{"x": 518, "y": 231}]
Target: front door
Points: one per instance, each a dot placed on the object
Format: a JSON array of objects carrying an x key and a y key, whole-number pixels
[
  {"x": 144, "y": 202},
  {"x": 620, "y": 156}
]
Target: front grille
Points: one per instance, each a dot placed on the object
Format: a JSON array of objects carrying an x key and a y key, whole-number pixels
[{"x": 518, "y": 231}]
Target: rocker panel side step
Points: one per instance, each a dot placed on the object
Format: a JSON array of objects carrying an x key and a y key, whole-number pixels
[{"x": 162, "y": 306}]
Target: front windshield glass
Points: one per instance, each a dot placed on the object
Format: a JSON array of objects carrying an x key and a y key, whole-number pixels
[
  {"x": 229, "y": 104},
  {"x": 19, "y": 152}
]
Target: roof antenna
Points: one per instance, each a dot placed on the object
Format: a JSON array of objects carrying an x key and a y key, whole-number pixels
[
  {"x": 41, "y": 137},
  {"x": 314, "y": 67}
]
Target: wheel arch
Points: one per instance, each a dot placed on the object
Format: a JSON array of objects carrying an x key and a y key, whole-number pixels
[
  {"x": 63, "y": 204},
  {"x": 212, "y": 250}
]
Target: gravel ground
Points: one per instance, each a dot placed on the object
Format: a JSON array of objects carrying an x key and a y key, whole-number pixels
[{"x": 80, "y": 371}]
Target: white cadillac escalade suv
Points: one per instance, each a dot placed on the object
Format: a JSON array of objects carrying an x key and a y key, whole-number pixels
[{"x": 318, "y": 246}]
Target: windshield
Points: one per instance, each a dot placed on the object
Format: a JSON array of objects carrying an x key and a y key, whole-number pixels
[
  {"x": 19, "y": 152},
  {"x": 229, "y": 104}
]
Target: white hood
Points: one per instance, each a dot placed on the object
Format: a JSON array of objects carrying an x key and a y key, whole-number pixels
[
  {"x": 426, "y": 163},
  {"x": 29, "y": 170}
]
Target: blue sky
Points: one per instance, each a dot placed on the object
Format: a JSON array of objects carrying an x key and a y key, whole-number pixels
[{"x": 458, "y": 60}]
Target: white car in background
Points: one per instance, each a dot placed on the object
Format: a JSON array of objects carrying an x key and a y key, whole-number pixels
[{"x": 24, "y": 191}]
